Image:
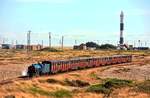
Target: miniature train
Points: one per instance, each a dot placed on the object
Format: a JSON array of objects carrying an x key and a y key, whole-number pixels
[{"x": 56, "y": 66}]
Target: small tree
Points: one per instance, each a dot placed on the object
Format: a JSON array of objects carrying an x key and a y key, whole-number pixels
[
  {"x": 107, "y": 46},
  {"x": 92, "y": 44}
]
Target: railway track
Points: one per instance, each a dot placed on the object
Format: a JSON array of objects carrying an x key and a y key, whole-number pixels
[{"x": 25, "y": 78}]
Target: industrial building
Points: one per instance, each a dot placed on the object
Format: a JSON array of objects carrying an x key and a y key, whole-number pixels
[
  {"x": 141, "y": 48},
  {"x": 34, "y": 47},
  {"x": 20, "y": 47},
  {"x": 6, "y": 46}
]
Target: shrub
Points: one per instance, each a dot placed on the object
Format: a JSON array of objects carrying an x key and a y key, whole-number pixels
[
  {"x": 108, "y": 85},
  {"x": 62, "y": 94},
  {"x": 99, "y": 88},
  {"x": 37, "y": 90},
  {"x": 76, "y": 83},
  {"x": 94, "y": 75},
  {"x": 143, "y": 87},
  {"x": 54, "y": 81},
  {"x": 107, "y": 46},
  {"x": 92, "y": 44},
  {"x": 57, "y": 94},
  {"x": 10, "y": 96},
  {"x": 116, "y": 83}
]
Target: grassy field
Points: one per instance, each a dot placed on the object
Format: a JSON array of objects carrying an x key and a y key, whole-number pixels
[{"x": 129, "y": 80}]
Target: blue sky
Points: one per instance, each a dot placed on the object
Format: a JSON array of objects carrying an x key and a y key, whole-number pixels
[{"x": 81, "y": 20}]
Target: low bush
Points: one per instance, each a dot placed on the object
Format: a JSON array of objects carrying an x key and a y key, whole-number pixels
[
  {"x": 108, "y": 86},
  {"x": 37, "y": 90},
  {"x": 76, "y": 83},
  {"x": 54, "y": 81},
  {"x": 144, "y": 86},
  {"x": 56, "y": 94},
  {"x": 99, "y": 88},
  {"x": 62, "y": 94},
  {"x": 116, "y": 83},
  {"x": 10, "y": 96},
  {"x": 94, "y": 75}
]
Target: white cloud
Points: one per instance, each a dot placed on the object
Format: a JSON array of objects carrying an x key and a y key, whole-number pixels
[{"x": 45, "y": 1}]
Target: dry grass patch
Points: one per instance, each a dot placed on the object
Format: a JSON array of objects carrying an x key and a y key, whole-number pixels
[
  {"x": 143, "y": 87},
  {"x": 76, "y": 83},
  {"x": 94, "y": 75},
  {"x": 62, "y": 93},
  {"x": 108, "y": 86}
]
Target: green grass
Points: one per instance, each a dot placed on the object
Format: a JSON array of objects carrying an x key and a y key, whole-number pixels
[
  {"x": 94, "y": 75},
  {"x": 62, "y": 94},
  {"x": 143, "y": 87},
  {"x": 108, "y": 86},
  {"x": 36, "y": 90},
  {"x": 99, "y": 88},
  {"x": 116, "y": 83}
]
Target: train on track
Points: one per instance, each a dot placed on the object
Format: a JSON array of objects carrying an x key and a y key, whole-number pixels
[{"x": 56, "y": 66}]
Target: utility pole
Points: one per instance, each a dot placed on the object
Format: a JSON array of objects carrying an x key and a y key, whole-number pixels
[
  {"x": 50, "y": 39},
  {"x": 145, "y": 44},
  {"x": 134, "y": 43},
  {"x": 139, "y": 41},
  {"x": 16, "y": 42},
  {"x": 62, "y": 42},
  {"x": 3, "y": 40},
  {"x": 42, "y": 44},
  {"x": 75, "y": 42},
  {"x": 28, "y": 41},
  {"x": 12, "y": 42}
]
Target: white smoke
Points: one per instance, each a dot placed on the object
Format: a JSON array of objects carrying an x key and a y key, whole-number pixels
[{"x": 24, "y": 72}]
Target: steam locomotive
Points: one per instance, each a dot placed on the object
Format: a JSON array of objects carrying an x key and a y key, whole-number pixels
[{"x": 56, "y": 66}]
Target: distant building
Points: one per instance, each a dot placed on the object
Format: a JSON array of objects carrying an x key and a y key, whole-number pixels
[
  {"x": 141, "y": 48},
  {"x": 34, "y": 47},
  {"x": 6, "y": 46},
  {"x": 130, "y": 47},
  {"x": 80, "y": 47},
  {"x": 20, "y": 47}
]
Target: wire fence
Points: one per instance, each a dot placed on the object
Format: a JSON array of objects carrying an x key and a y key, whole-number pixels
[{"x": 71, "y": 39}]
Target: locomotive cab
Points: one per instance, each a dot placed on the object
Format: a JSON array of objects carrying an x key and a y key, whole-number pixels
[{"x": 35, "y": 70}]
